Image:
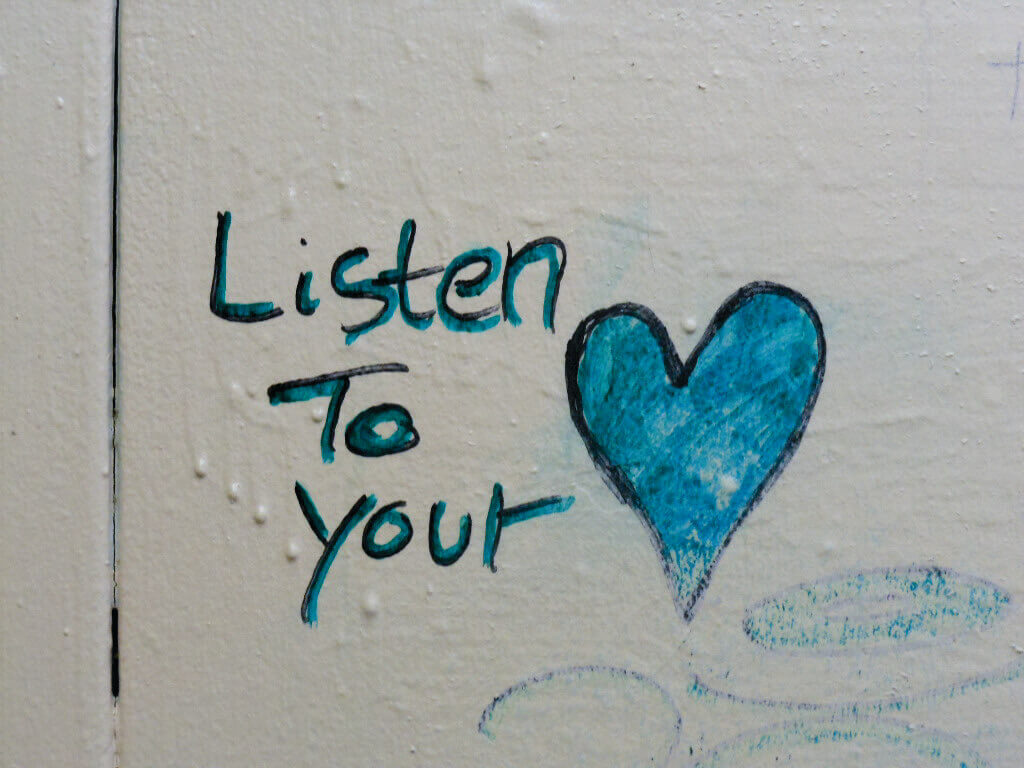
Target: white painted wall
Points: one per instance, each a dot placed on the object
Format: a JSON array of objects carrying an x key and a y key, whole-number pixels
[
  {"x": 868, "y": 158},
  {"x": 55, "y": 531}
]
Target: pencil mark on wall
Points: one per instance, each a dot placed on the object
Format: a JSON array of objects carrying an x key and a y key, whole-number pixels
[
  {"x": 1015, "y": 65},
  {"x": 626, "y": 703},
  {"x": 692, "y": 446}
]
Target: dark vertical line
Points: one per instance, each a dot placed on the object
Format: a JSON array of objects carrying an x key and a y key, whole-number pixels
[
  {"x": 115, "y": 672},
  {"x": 115, "y": 661}
]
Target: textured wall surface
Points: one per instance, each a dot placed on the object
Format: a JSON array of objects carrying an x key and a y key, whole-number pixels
[
  {"x": 704, "y": 324},
  {"x": 55, "y": 531},
  {"x": 869, "y": 160}
]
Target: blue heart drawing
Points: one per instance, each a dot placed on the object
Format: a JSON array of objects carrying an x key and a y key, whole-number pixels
[{"x": 692, "y": 446}]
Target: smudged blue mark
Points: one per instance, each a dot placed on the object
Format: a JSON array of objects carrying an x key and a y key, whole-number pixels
[
  {"x": 885, "y": 608},
  {"x": 843, "y": 742},
  {"x": 617, "y": 700},
  {"x": 1004, "y": 674},
  {"x": 692, "y": 446}
]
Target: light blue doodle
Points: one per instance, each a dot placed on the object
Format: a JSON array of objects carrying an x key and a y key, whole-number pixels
[
  {"x": 637, "y": 716},
  {"x": 875, "y": 609},
  {"x": 843, "y": 742},
  {"x": 1007, "y": 673}
]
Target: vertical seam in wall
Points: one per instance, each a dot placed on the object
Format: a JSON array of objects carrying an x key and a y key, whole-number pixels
[{"x": 115, "y": 676}]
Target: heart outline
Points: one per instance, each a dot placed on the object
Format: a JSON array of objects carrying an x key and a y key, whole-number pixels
[{"x": 678, "y": 374}]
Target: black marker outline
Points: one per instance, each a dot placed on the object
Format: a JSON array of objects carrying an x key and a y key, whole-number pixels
[
  {"x": 440, "y": 554},
  {"x": 274, "y": 391},
  {"x": 357, "y": 448},
  {"x": 387, "y": 277},
  {"x": 507, "y": 299},
  {"x": 355, "y": 515},
  {"x": 359, "y": 254},
  {"x": 305, "y": 304},
  {"x": 400, "y": 277},
  {"x": 499, "y": 516},
  {"x": 310, "y": 512},
  {"x": 470, "y": 287},
  {"x": 219, "y": 284},
  {"x": 381, "y": 518},
  {"x": 678, "y": 374}
]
